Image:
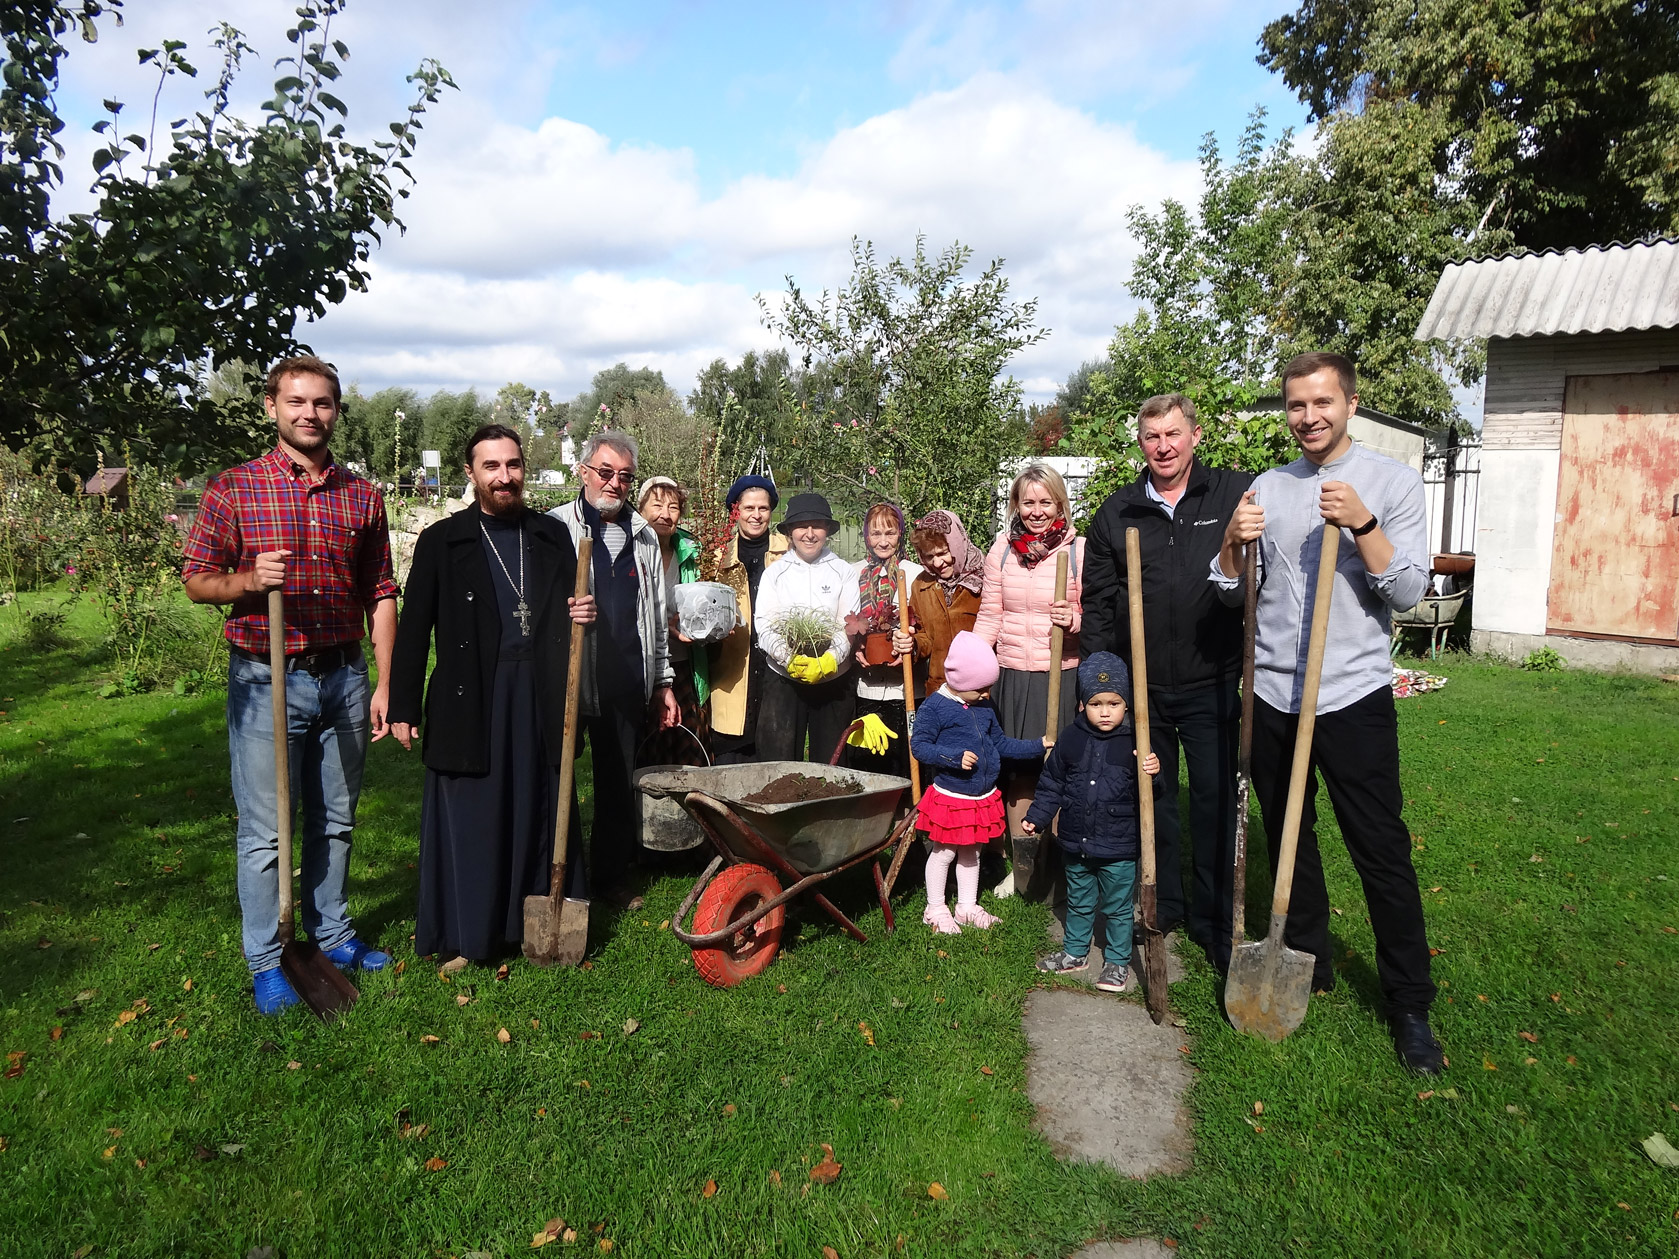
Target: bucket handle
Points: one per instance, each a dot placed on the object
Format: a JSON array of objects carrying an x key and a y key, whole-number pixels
[{"x": 679, "y": 726}]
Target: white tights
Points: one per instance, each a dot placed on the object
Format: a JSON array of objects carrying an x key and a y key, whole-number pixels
[{"x": 966, "y": 857}]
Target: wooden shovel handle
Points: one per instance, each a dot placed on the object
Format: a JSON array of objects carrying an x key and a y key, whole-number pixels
[
  {"x": 568, "y": 740},
  {"x": 1052, "y": 719},
  {"x": 282, "y": 757},
  {"x": 909, "y": 687},
  {"x": 1308, "y": 720},
  {"x": 1244, "y": 755},
  {"x": 1139, "y": 700}
]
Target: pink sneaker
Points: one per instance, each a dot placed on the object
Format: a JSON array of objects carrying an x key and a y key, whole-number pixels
[
  {"x": 938, "y": 918},
  {"x": 974, "y": 916}
]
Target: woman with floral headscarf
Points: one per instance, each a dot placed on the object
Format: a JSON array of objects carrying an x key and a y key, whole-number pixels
[
  {"x": 944, "y": 600},
  {"x": 880, "y": 687}
]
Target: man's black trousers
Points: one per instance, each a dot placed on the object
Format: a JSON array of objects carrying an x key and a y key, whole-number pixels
[
  {"x": 1356, "y": 749},
  {"x": 613, "y": 842},
  {"x": 1204, "y": 720}
]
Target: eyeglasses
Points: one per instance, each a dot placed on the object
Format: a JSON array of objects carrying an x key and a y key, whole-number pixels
[{"x": 624, "y": 476}]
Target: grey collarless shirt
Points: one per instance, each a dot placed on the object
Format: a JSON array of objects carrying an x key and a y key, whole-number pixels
[{"x": 1356, "y": 660}]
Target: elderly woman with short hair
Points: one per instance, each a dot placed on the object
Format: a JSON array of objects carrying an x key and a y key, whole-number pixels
[
  {"x": 661, "y": 503},
  {"x": 1017, "y": 611}
]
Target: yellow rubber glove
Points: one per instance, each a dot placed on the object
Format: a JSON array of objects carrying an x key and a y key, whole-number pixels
[
  {"x": 812, "y": 669},
  {"x": 873, "y": 736}
]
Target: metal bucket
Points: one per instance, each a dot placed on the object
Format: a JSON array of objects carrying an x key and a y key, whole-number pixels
[{"x": 664, "y": 824}]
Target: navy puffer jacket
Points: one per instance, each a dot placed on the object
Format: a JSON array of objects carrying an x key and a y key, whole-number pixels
[{"x": 1091, "y": 779}]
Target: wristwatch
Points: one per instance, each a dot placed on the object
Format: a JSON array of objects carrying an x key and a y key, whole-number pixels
[{"x": 1366, "y": 527}]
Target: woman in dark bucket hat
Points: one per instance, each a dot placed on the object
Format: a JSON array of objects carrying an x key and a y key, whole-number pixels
[{"x": 804, "y": 509}]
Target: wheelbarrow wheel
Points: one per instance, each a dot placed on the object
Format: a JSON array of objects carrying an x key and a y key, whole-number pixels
[{"x": 734, "y": 893}]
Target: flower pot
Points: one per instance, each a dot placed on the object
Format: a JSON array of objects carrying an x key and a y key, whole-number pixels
[
  {"x": 706, "y": 611},
  {"x": 877, "y": 648}
]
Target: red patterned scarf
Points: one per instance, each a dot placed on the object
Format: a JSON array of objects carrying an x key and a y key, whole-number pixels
[{"x": 1034, "y": 548}]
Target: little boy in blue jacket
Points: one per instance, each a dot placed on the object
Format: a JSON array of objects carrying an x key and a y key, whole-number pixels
[{"x": 1090, "y": 777}]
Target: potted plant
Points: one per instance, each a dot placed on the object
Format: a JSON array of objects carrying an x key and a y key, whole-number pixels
[{"x": 806, "y": 631}]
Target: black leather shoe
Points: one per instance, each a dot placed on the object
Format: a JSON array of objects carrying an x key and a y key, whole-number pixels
[{"x": 1416, "y": 1044}]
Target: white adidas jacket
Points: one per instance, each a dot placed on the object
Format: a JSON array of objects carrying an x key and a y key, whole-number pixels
[{"x": 827, "y": 584}]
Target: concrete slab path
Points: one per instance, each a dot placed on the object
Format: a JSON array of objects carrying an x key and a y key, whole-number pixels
[
  {"x": 1129, "y": 1248},
  {"x": 1107, "y": 1083}
]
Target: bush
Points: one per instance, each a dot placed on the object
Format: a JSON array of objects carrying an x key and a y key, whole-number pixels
[
  {"x": 37, "y": 524},
  {"x": 43, "y": 627},
  {"x": 1543, "y": 660}
]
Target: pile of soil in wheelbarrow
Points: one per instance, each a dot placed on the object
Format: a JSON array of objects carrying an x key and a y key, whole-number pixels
[{"x": 799, "y": 788}]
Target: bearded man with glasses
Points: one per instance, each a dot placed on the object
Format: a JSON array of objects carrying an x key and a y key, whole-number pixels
[{"x": 626, "y": 659}]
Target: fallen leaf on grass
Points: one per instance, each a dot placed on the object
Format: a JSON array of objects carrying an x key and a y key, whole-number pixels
[
  {"x": 152, "y": 1048},
  {"x": 114, "y": 1132},
  {"x": 461, "y": 998},
  {"x": 82, "y": 1252},
  {"x": 775, "y": 1177},
  {"x": 186, "y": 985},
  {"x": 605, "y": 1245},
  {"x": 1529, "y": 1037},
  {"x": 1625, "y": 1206},
  {"x": 429, "y": 1039},
  {"x": 415, "y": 1131},
  {"x": 828, "y": 1252},
  {"x": 937, "y": 1192},
  {"x": 501, "y": 971},
  {"x": 782, "y": 988},
  {"x": 1425, "y": 1095},
  {"x": 153, "y": 948},
  {"x": 1661, "y": 1151},
  {"x": 868, "y": 1033},
  {"x": 1671, "y": 930},
  {"x": 827, "y": 1171},
  {"x": 140, "y": 1163},
  {"x": 435, "y": 1164},
  {"x": 986, "y": 1071},
  {"x": 1488, "y": 1064},
  {"x": 710, "y": 1190},
  {"x": 1572, "y": 1060},
  {"x": 588, "y": 1036},
  {"x": 942, "y": 953},
  {"x": 551, "y": 1232},
  {"x": 293, "y": 1065},
  {"x": 729, "y": 1108},
  {"x": 569, "y": 1236},
  {"x": 1556, "y": 996},
  {"x": 1449, "y": 1094},
  {"x": 503, "y": 1035},
  {"x": 630, "y": 1026},
  {"x": 232, "y": 1150},
  {"x": 399, "y": 968},
  {"x": 127, "y": 1016},
  {"x": 1259, "y": 1108},
  {"x": 110, "y": 1150}
]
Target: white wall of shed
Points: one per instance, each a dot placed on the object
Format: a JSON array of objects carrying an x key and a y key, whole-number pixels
[
  {"x": 1516, "y": 526},
  {"x": 1404, "y": 443},
  {"x": 1526, "y": 377}
]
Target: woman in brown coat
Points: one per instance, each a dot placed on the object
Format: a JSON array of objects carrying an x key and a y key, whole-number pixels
[{"x": 945, "y": 598}]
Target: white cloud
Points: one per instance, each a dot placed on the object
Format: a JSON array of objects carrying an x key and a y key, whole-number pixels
[{"x": 546, "y": 253}]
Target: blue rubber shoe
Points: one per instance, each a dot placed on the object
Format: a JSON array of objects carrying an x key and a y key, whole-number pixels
[
  {"x": 354, "y": 954},
  {"x": 273, "y": 991}
]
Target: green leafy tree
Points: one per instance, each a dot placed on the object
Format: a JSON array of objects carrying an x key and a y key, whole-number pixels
[
  {"x": 763, "y": 395},
  {"x": 209, "y": 239},
  {"x": 1557, "y": 120},
  {"x": 368, "y": 430},
  {"x": 613, "y": 388},
  {"x": 908, "y": 398},
  {"x": 449, "y": 420}
]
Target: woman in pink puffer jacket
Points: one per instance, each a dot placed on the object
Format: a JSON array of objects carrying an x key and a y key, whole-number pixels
[{"x": 1017, "y": 611}]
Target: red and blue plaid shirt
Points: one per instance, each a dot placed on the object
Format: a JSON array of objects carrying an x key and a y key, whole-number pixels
[{"x": 336, "y": 530}]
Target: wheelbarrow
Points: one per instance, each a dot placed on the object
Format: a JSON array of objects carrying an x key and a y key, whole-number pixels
[{"x": 737, "y": 924}]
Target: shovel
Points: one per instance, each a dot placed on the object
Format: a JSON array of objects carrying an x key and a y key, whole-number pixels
[
  {"x": 322, "y": 985},
  {"x": 1244, "y": 753},
  {"x": 1269, "y": 983},
  {"x": 908, "y": 841},
  {"x": 557, "y": 926},
  {"x": 1148, "y": 910}
]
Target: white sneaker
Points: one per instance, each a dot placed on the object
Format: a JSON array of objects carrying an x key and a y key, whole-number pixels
[{"x": 1005, "y": 889}]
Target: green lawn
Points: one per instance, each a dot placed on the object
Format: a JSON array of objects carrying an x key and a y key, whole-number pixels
[{"x": 1544, "y": 808}]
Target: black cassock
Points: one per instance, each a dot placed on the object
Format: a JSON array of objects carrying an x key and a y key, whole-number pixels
[{"x": 487, "y": 840}]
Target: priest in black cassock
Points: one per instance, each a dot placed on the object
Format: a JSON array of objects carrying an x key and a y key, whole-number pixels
[{"x": 493, "y": 583}]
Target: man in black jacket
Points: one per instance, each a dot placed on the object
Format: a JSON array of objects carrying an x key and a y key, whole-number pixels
[
  {"x": 1179, "y": 507},
  {"x": 494, "y": 584}
]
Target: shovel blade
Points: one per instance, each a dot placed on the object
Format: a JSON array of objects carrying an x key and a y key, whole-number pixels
[
  {"x": 1267, "y": 989},
  {"x": 323, "y": 987},
  {"x": 1154, "y": 974},
  {"x": 556, "y": 931}
]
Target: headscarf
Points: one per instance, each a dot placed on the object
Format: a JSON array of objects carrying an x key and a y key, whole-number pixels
[
  {"x": 969, "y": 571},
  {"x": 877, "y": 579},
  {"x": 1034, "y": 548}
]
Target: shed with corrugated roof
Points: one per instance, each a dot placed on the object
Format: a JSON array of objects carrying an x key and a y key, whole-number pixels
[{"x": 1577, "y": 537}]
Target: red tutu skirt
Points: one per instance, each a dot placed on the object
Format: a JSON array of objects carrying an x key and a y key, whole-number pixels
[{"x": 949, "y": 819}]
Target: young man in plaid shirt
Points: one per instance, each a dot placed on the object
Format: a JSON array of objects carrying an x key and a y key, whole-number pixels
[{"x": 294, "y": 520}]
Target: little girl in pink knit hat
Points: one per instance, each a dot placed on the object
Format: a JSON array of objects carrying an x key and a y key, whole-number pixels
[{"x": 956, "y": 731}]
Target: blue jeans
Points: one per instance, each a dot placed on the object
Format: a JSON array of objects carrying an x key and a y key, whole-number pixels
[
  {"x": 1099, "y": 887},
  {"x": 328, "y": 726}
]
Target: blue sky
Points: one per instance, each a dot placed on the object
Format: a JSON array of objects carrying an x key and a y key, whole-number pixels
[{"x": 619, "y": 181}]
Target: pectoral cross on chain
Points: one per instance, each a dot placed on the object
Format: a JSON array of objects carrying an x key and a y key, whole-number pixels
[{"x": 523, "y": 612}]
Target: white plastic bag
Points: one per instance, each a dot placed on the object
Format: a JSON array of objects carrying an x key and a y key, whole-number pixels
[{"x": 705, "y": 610}]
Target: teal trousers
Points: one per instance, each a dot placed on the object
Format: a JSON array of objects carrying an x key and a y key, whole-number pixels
[{"x": 1100, "y": 887}]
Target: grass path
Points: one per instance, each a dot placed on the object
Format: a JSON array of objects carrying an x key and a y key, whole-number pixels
[{"x": 1545, "y": 813}]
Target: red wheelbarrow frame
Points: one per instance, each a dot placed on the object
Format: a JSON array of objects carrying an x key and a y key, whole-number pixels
[{"x": 707, "y": 810}]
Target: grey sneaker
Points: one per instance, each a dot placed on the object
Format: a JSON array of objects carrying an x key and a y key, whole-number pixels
[
  {"x": 1113, "y": 978},
  {"x": 1060, "y": 961}
]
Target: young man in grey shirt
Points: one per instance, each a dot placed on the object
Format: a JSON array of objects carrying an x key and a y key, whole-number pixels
[{"x": 1378, "y": 505}]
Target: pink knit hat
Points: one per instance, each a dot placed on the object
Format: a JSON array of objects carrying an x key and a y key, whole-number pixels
[{"x": 970, "y": 665}]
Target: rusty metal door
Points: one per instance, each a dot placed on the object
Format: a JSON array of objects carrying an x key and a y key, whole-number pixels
[{"x": 1615, "y": 560}]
